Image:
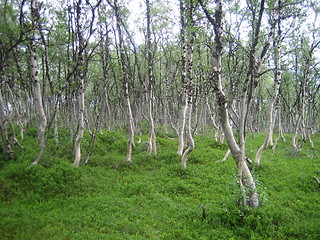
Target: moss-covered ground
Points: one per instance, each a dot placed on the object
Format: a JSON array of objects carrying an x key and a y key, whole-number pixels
[{"x": 154, "y": 198}]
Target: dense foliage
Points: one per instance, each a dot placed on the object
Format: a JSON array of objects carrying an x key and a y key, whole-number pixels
[{"x": 155, "y": 198}]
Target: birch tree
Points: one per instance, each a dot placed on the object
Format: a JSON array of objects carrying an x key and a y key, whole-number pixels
[
  {"x": 187, "y": 9},
  {"x": 83, "y": 31},
  {"x": 36, "y": 81},
  {"x": 246, "y": 182},
  {"x": 275, "y": 21},
  {"x": 80, "y": 74},
  {"x": 152, "y": 148},
  {"x": 123, "y": 62}
]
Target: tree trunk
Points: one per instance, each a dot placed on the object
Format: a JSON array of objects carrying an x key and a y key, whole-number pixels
[
  {"x": 212, "y": 117},
  {"x": 125, "y": 80},
  {"x": 16, "y": 106},
  {"x": 190, "y": 140},
  {"x": 79, "y": 77},
  {"x": 152, "y": 148},
  {"x": 36, "y": 82},
  {"x": 295, "y": 135},
  {"x": 277, "y": 83},
  {"x": 247, "y": 185},
  {"x": 131, "y": 125},
  {"x": 182, "y": 124},
  {"x": 77, "y": 143},
  {"x": 3, "y": 124}
]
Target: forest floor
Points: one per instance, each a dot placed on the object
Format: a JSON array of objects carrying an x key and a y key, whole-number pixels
[{"x": 154, "y": 198}]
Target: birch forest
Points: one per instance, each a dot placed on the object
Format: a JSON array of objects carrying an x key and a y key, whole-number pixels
[{"x": 163, "y": 76}]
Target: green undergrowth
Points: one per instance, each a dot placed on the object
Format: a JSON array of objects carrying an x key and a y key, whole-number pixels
[{"x": 154, "y": 198}]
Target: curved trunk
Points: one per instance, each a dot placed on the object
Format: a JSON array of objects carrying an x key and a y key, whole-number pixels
[
  {"x": 280, "y": 131},
  {"x": 190, "y": 140},
  {"x": 268, "y": 140},
  {"x": 247, "y": 185},
  {"x": 277, "y": 82},
  {"x": 246, "y": 182}
]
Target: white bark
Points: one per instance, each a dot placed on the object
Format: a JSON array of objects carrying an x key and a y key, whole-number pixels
[
  {"x": 80, "y": 75},
  {"x": 55, "y": 130},
  {"x": 131, "y": 126},
  {"x": 107, "y": 110},
  {"x": 181, "y": 131},
  {"x": 310, "y": 140},
  {"x": 247, "y": 185},
  {"x": 4, "y": 132},
  {"x": 280, "y": 131},
  {"x": 246, "y": 182},
  {"x": 212, "y": 117},
  {"x": 38, "y": 98},
  {"x": 190, "y": 140},
  {"x": 152, "y": 147},
  {"x": 268, "y": 140},
  {"x": 77, "y": 143},
  {"x": 125, "y": 78},
  {"x": 226, "y": 156},
  {"x": 16, "y": 104},
  {"x": 294, "y": 141},
  {"x": 37, "y": 87}
]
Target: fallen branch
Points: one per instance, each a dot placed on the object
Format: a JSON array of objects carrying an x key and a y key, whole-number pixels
[
  {"x": 248, "y": 160},
  {"x": 317, "y": 180}
]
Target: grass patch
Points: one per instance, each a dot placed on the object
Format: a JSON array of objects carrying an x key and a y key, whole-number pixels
[{"x": 154, "y": 198}]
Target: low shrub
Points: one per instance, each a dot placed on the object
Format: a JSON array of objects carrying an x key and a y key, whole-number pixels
[{"x": 20, "y": 180}]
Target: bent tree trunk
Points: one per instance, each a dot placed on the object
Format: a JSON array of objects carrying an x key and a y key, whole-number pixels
[
  {"x": 277, "y": 82},
  {"x": 247, "y": 185},
  {"x": 190, "y": 140}
]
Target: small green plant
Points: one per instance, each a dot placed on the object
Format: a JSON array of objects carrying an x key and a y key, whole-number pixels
[{"x": 154, "y": 197}]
